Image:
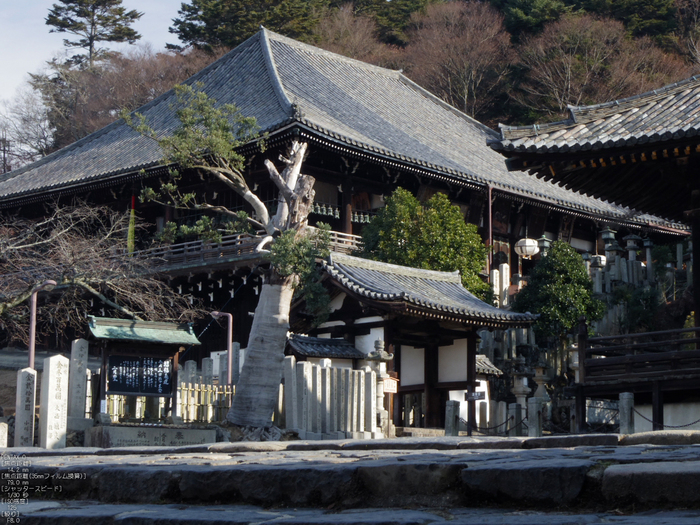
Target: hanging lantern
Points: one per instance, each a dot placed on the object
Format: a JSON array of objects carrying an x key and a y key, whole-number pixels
[
  {"x": 354, "y": 216},
  {"x": 323, "y": 210},
  {"x": 337, "y": 213},
  {"x": 526, "y": 248}
]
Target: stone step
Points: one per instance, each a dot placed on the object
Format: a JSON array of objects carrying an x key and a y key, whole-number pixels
[{"x": 455, "y": 472}]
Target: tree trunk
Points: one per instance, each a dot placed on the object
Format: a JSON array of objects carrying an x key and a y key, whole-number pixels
[{"x": 258, "y": 389}]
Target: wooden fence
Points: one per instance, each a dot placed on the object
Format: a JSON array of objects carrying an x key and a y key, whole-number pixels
[{"x": 202, "y": 403}]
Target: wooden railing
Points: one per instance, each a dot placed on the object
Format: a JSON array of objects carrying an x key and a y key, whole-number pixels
[
  {"x": 231, "y": 247},
  {"x": 645, "y": 356}
]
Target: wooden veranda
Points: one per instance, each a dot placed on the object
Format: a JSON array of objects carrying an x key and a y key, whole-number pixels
[{"x": 651, "y": 364}]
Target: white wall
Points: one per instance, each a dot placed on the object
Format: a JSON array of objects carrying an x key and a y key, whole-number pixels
[
  {"x": 675, "y": 414},
  {"x": 365, "y": 343},
  {"x": 459, "y": 395},
  {"x": 335, "y": 363},
  {"x": 412, "y": 365},
  {"x": 452, "y": 362}
]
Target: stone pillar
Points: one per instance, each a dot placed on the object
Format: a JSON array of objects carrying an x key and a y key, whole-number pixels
[
  {"x": 303, "y": 392},
  {"x": 335, "y": 387},
  {"x": 190, "y": 372},
  {"x": 77, "y": 380},
  {"x": 452, "y": 418},
  {"x": 342, "y": 393},
  {"x": 223, "y": 369},
  {"x": 347, "y": 400},
  {"x": 495, "y": 278},
  {"x": 534, "y": 417},
  {"x": 502, "y": 418},
  {"x": 208, "y": 371},
  {"x": 626, "y": 413},
  {"x": 370, "y": 400},
  {"x": 504, "y": 270},
  {"x": 483, "y": 416},
  {"x": 291, "y": 408},
  {"x": 326, "y": 398},
  {"x": 354, "y": 401},
  {"x": 515, "y": 418},
  {"x": 679, "y": 256},
  {"x": 3, "y": 435},
  {"x": 25, "y": 407},
  {"x": 53, "y": 413},
  {"x": 316, "y": 399},
  {"x": 597, "y": 280},
  {"x": 493, "y": 418},
  {"x": 360, "y": 374},
  {"x": 650, "y": 264}
]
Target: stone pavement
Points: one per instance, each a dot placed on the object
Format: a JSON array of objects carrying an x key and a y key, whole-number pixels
[{"x": 600, "y": 478}]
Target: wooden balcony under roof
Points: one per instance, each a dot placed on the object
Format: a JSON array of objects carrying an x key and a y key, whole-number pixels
[{"x": 232, "y": 252}]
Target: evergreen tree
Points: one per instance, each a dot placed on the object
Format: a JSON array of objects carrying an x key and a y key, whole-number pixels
[
  {"x": 207, "y": 24},
  {"x": 433, "y": 236},
  {"x": 560, "y": 291},
  {"x": 93, "y": 21}
]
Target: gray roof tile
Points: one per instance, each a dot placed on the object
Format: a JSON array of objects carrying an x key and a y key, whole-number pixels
[
  {"x": 279, "y": 81},
  {"x": 425, "y": 292},
  {"x": 324, "y": 347},
  {"x": 662, "y": 114}
]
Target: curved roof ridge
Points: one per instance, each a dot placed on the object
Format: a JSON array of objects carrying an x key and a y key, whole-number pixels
[
  {"x": 665, "y": 90},
  {"x": 277, "y": 84},
  {"x": 580, "y": 114}
]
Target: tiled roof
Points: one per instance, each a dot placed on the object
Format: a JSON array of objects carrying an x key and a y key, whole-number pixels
[
  {"x": 425, "y": 293},
  {"x": 324, "y": 347},
  {"x": 282, "y": 82},
  {"x": 486, "y": 367},
  {"x": 672, "y": 112}
]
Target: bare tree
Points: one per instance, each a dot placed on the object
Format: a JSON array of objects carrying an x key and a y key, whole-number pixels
[
  {"x": 688, "y": 22},
  {"x": 206, "y": 142},
  {"x": 353, "y": 35},
  {"x": 582, "y": 59},
  {"x": 82, "y": 248},
  {"x": 76, "y": 102},
  {"x": 461, "y": 52}
]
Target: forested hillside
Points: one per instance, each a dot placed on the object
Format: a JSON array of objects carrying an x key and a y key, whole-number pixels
[{"x": 503, "y": 61}]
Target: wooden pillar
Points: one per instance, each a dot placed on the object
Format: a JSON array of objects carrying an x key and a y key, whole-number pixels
[
  {"x": 103, "y": 377},
  {"x": 432, "y": 397},
  {"x": 471, "y": 381},
  {"x": 347, "y": 207},
  {"x": 580, "y": 408},
  {"x": 657, "y": 406},
  {"x": 695, "y": 224},
  {"x": 489, "y": 231}
]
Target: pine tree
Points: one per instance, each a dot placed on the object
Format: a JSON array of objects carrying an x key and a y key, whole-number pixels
[{"x": 93, "y": 21}]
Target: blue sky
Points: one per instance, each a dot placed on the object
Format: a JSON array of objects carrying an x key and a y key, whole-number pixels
[{"x": 27, "y": 43}]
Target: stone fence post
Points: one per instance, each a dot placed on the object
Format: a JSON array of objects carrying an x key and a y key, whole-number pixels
[
  {"x": 626, "y": 413},
  {"x": 452, "y": 418}
]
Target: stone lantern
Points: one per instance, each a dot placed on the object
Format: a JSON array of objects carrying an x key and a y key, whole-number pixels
[
  {"x": 378, "y": 360},
  {"x": 648, "y": 245},
  {"x": 633, "y": 245},
  {"x": 544, "y": 244},
  {"x": 608, "y": 237},
  {"x": 541, "y": 379}
]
